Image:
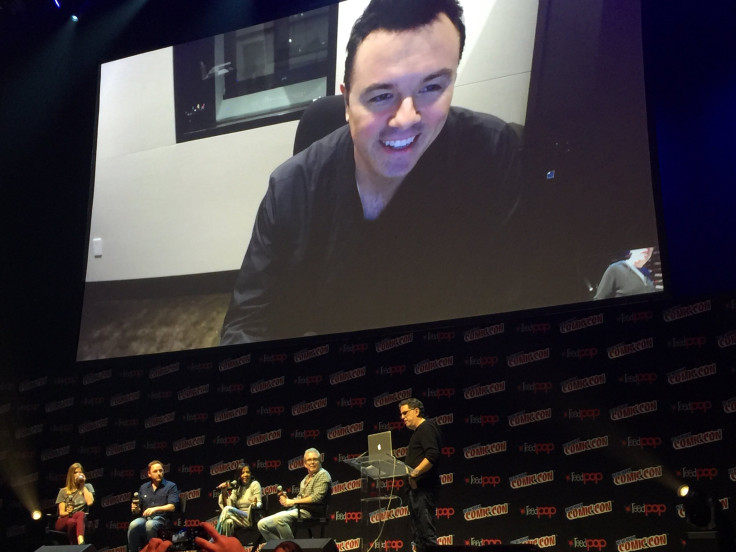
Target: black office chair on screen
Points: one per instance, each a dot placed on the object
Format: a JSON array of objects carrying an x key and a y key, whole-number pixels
[{"x": 319, "y": 119}]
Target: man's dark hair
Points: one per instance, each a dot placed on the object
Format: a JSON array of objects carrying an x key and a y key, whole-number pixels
[
  {"x": 413, "y": 403},
  {"x": 400, "y": 15}
]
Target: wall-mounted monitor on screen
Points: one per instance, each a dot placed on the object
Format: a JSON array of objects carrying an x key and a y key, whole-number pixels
[{"x": 517, "y": 178}]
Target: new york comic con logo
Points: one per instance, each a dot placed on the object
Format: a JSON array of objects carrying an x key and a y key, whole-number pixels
[
  {"x": 634, "y": 544},
  {"x": 629, "y": 476},
  {"x": 577, "y": 324},
  {"x": 680, "y": 312},
  {"x": 478, "y": 512},
  {"x": 477, "y": 450},
  {"x": 726, "y": 340},
  {"x": 379, "y": 516},
  {"x": 162, "y": 371},
  {"x": 309, "y": 354},
  {"x": 524, "y": 480},
  {"x": 347, "y": 375},
  {"x": 729, "y": 405},
  {"x": 624, "y": 349},
  {"x": 684, "y": 375},
  {"x": 519, "y": 359},
  {"x": 225, "y": 415},
  {"x": 524, "y": 418},
  {"x": 577, "y": 446},
  {"x": 478, "y": 391},
  {"x": 426, "y": 366},
  {"x": 347, "y": 486},
  {"x": 580, "y": 510},
  {"x": 474, "y": 334},
  {"x": 624, "y": 411},
  {"x": 690, "y": 440},
  {"x": 349, "y": 544},
  {"x": 232, "y": 363},
  {"x": 546, "y": 541}
]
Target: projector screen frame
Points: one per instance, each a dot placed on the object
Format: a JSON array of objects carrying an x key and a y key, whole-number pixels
[{"x": 221, "y": 278}]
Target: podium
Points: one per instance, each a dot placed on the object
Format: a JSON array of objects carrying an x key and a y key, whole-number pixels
[
  {"x": 383, "y": 466},
  {"x": 376, "y": 468}
]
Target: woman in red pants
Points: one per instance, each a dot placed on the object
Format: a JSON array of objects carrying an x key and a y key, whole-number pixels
[{"x": 74, "y": 500}]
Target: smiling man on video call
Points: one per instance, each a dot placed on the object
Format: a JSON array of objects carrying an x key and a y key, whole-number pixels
[{"x": 401, "y": 216}]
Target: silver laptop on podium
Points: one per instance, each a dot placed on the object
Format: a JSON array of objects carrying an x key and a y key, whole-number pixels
[
  {"x": 382, "y": 463},
  {"x": 379, "y": 445}
]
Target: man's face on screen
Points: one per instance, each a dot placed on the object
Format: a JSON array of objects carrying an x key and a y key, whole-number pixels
[{"x": 401, "y": 88}]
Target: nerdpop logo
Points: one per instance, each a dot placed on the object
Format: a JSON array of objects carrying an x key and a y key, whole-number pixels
[
  {"x": 647, "y": 509},
  {"x": 589, "y": 544}
]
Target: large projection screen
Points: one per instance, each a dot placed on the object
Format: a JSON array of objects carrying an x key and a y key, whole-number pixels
[{"x": 171, "y": 220}]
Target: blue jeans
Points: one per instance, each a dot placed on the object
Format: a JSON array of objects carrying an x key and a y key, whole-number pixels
[
  {"x": 278, "y": 526},
  {"x": 422, "y": 510},
  {"x": 141, "y": 530}
]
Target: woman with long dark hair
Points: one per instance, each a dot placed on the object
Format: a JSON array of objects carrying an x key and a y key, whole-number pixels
[{"x": 237, "y": 501}]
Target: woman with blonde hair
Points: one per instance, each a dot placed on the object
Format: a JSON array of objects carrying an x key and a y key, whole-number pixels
[{"x": 74, "y": 501}]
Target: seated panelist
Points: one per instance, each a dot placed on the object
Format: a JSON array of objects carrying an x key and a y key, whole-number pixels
[
  {"x": 314, "y": 493},
  {"x": 74, "y": 500},
  {"x": 237, "y": 499},
  {"x": 155, "y": 504}
]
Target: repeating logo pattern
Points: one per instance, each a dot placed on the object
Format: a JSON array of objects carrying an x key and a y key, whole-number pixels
[{"x": 571, "y": 432}]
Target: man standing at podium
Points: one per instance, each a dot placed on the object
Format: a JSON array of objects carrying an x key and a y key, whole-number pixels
[{"x": 422, "y": 457}]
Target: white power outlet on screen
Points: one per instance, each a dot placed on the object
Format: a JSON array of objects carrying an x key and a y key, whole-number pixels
[{"x": 97, "y": 247}]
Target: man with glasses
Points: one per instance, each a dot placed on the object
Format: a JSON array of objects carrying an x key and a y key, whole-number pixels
[
  {"x": 422, "y": 457},
  {"x": 314, "y": 494}
]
